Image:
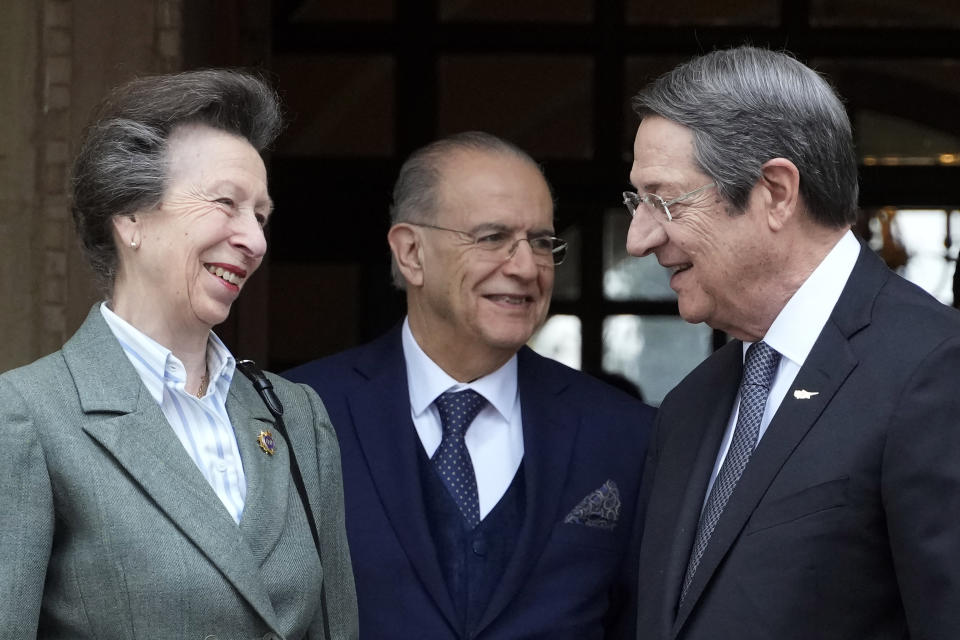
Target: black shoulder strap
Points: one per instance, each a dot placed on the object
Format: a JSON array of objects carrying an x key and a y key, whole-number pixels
[{"x": 265, "y": 388}]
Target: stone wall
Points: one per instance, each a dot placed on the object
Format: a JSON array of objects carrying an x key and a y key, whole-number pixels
[{"x": 58, "y": 58}]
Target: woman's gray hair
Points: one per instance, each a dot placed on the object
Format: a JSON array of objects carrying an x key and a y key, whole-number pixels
[
  {"x": 121, "y": 166},
  {"x": 416, "y": 190},
  {"x": 746, "y": 106}
]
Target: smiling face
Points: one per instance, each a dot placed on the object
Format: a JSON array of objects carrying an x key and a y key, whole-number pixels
[
  {"x": 200, "y": 244},
  {"x": 721, "y": 261},
  {"x": 470, "y": 309}
]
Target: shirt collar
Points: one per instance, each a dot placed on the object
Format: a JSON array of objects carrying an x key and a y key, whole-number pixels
[
  {"x": 220, "y": 364},
  {"x": 798, "y": 325},
  {"x": 426, "y": 380},
  {"x": 156, "y": 364}
]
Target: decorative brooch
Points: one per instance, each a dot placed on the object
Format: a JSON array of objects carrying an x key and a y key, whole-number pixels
[{"x": 265, "y": 440}]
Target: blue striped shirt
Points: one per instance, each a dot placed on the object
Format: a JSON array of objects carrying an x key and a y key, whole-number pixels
[{"x": 201, "y": 424}]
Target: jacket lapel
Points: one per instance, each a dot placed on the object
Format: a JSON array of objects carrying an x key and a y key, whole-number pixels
[
  {"x": 699, "y": 430},
  {"x": 549, "y": 430},
  {"x": 381, "y": 416},
  {"x": 826, "y": 368},
  {"x": 128, "y": 423},
  {"x": 268, "y": 476}
]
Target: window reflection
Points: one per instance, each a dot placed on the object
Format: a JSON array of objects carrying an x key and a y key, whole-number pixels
[
  {"x": 624, "y": 276},
  {"x": 653, "y": 352},
  {"x": 864, "y": 14},
  {"x": 696, "y": 12},
  {"x": 913, "y": 124},
  {"x": 541, "y": 102},
  {"x": 350, "y": 113},
  {"x": 559, "y": 338},
  {"x": 514, "y": 11},
  {"x": 566, "y": 280},
  {"x": 925, "y": 241},
  {"x": 887, "y": 140},
  {"x": 320, "y": 10}
]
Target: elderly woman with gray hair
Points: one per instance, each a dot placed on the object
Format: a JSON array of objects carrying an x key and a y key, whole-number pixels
[{"x": 150, "y": 490}]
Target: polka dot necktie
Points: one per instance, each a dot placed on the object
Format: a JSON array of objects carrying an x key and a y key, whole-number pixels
[
  {"x": 452, "y": 460},
  {"x": 759, "y": 368}
]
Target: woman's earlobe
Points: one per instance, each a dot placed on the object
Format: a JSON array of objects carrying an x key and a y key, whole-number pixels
[{"x": 127, "y": 231}]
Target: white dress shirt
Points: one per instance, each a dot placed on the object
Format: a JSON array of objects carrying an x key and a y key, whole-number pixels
[
  {"x": 494, "y": 438},
  {"x": 794, "y": 332},
  {"x": 201, "y": 424}
]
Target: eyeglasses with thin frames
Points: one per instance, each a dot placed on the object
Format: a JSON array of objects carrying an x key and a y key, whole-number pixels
[
  {"x": 500, "y": 246},
  {"x": 654, "y": 204}
]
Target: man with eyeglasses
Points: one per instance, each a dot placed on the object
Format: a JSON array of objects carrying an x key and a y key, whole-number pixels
[
  {"x": 804, "y": 481},
  {"x": 490, "y": 492}
]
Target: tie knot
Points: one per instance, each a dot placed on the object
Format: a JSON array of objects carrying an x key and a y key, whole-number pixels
[
  {"x": 458, "y": 409},
  {"x": 760, "y": 364}
]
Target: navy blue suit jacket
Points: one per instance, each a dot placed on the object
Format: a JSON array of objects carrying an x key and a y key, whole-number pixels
[
  {"x": 846, "y": 521},
  {"x": 564, "y": 580}
]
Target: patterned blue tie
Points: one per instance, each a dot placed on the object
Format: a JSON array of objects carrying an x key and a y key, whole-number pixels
[
  {"x": 452, "y": 460},
  {"x": 758, "y": 371}
]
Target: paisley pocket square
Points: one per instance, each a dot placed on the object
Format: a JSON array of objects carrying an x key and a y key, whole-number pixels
[{"x": 600, "y": 508}]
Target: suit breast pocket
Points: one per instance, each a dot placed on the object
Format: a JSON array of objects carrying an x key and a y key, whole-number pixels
[
  {"x": 807, "y": 502},
  {"x": 580, "y": 535}
]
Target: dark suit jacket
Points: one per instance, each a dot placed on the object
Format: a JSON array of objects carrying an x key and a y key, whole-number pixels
[
  {"x": 846, "y": 522},
  {"x": 109, "y": 530},
  {"x": 564, "y": 580}
]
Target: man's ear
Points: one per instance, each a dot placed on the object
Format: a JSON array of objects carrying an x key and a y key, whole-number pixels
[
  {"x": 407, "y": 252},
  {"x": 781, "y": 181}
]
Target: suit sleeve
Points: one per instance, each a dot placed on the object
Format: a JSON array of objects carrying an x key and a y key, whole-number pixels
[
  {"x": 649, "y": 470},
  {"x": 26, "y": 518},
  {"x": 621, "y": 619},
  {"x": 920, "y": 485},
  {"x": 340, "y": 592},
  {"x": 621, "y": 623}
]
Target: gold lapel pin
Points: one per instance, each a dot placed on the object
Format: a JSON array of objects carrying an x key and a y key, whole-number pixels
[
  {"x": 265, "y": 440},
  {"x": 803, "y": 394}
]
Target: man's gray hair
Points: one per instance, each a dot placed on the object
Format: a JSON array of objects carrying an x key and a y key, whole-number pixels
[
  {"x": 121, "y": 167},
  {"x": 746, "y": 106},
  {"x": 417, "y": 189}
]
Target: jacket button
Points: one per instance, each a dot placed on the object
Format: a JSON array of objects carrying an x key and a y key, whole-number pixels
[
  {"x": 210, "y": 638},
  {"x": 480, "y": 546},
  {"x": 271, "y": 636}
]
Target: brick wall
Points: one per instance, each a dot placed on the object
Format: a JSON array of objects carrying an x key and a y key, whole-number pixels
[{"x": 59, "y": 58}]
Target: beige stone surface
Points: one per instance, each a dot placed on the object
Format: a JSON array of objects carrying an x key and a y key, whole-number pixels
[
  {"x": 58, "y": 58},
  {"x": 19, "y": 210}
]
